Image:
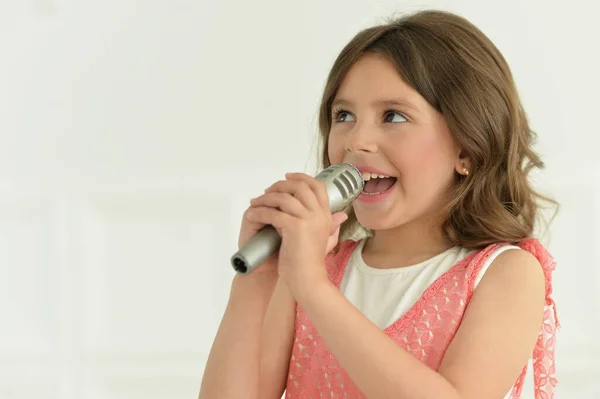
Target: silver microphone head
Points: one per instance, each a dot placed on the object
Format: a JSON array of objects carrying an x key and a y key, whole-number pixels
[{"x": 344, "y": 184}]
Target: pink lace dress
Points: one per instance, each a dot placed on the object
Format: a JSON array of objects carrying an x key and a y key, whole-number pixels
[{"x": 425, "y": 331}]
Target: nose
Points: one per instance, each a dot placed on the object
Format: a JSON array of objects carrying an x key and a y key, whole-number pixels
[{"x": 360, "y": 139}]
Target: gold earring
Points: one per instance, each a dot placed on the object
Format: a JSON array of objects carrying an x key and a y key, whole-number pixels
[{"x": 465, "y": 171}]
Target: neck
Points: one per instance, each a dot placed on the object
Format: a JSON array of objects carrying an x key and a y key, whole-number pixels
[{"x": 405, "y": 245}]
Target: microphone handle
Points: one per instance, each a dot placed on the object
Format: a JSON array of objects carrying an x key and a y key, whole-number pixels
[{"x": 257, "y": 250}]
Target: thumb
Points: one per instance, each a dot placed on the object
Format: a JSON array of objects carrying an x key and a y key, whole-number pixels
[{"x": 337, "y": 219}]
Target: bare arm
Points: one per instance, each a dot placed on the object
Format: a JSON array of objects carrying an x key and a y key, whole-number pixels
[
  {"x": 277, "y": 340},
  {"x": 499, "y": 329},
  {"x": 493, "y": 343},
  {"x": 250, "y": 352},
  {"x": 233, "y": 365}
]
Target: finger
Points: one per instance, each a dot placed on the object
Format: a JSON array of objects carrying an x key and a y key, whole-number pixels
[
  {"x": 300, "y": 190},
  {"x": 333, "y": 239},
  {"x": 245, "y": 216},
  {"x": 271, "y": 186},
  {"x": 316, "y": 186},
  {"x": 337, "y": 219},
  {"x": 269, "y": 216},
  {"x": 285, "y": 202}
]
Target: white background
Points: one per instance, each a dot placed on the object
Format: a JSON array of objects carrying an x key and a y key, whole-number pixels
[{"x": 133, "y": 133}]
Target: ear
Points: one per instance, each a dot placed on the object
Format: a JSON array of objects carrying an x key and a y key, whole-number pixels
[{"x": 463, "y": 164}]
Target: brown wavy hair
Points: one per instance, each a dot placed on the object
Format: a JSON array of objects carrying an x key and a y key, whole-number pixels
[{"x": 462, "y": 74}]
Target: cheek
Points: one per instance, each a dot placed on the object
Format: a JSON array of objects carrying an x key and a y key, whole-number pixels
[
  {"x": 427, "y": 162},
  {"x": 335, "y": 149}
]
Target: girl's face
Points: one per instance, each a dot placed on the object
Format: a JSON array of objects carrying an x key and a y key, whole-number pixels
[{"x": 384, "y": 127}]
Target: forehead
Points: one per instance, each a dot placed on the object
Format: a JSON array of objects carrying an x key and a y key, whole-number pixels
[{"x": 373, "y": 78}]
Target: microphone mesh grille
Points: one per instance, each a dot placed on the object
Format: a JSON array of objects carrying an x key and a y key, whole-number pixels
[{"x": 344, "y": 184}]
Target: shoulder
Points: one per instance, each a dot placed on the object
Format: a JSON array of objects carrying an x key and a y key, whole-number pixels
[
  {"x": 510, "y": 264},
  {"x": 513, "y": 288},
  {"x": 516, "y": 267}
]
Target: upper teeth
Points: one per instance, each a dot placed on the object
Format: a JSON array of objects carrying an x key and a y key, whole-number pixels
[{"x": 368, "y": 176}]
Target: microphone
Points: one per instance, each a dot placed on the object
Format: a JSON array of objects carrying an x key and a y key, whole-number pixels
[{"x": 343, "y": 182}]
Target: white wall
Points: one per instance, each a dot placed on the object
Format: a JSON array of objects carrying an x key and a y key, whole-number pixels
[{"x": 133, "y": 133}]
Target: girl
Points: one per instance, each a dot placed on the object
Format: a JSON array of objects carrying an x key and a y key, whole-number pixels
[{"x": 445, "y": 295}]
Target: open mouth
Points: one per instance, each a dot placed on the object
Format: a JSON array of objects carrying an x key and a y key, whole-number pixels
[{"x": 377, "y": 184}]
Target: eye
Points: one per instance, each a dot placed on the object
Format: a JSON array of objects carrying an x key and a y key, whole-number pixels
[
  {"x": 340, "y": 115},
  {"x": 392, "y": 116}
]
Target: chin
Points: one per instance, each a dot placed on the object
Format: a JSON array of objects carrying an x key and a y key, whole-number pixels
[{"x": 379, "y": 221}]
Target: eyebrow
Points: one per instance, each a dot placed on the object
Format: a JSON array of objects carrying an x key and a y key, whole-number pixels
[{"x": 399, "y": 102}]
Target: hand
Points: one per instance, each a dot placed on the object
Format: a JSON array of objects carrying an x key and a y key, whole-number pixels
[{"x": 298, "y": 208}]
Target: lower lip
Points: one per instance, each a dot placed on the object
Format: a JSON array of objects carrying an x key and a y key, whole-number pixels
[{"x": 376, "y": 198}]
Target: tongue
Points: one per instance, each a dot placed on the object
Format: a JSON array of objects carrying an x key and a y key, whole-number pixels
[{"x": 379, "y": 185}]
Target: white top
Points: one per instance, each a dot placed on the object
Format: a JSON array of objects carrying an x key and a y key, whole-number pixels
[{"x": 384, "y": 295}]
